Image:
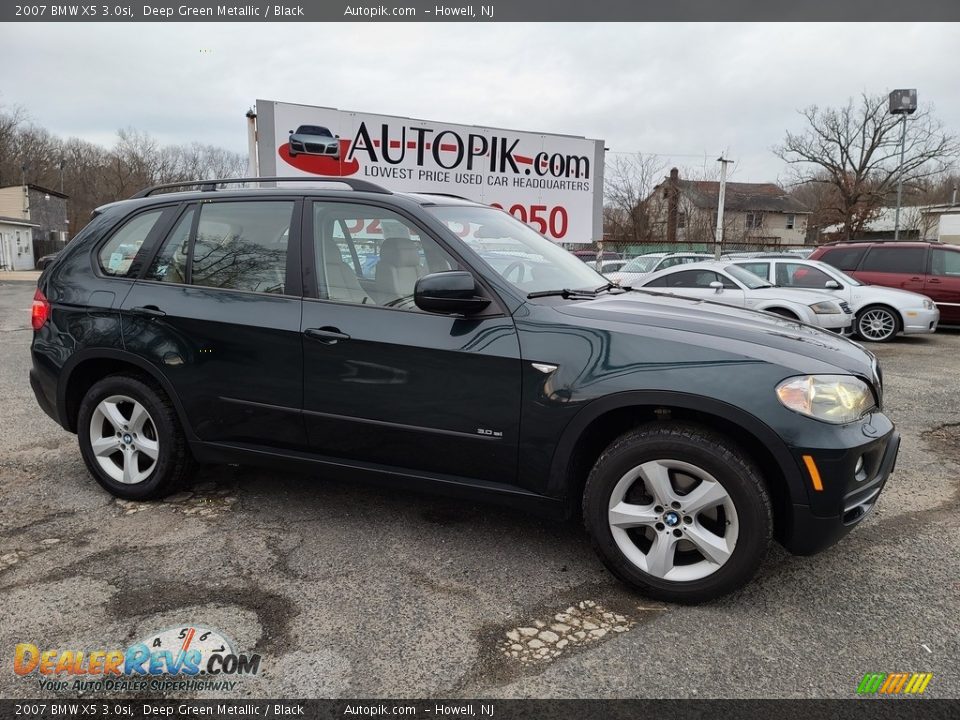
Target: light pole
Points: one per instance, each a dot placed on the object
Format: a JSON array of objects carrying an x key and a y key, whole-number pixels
[
  {"x": 903, "y": 103},
  {"x": 718, "y": 235}
]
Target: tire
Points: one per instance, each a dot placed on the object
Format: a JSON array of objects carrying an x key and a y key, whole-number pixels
[
  {"x": 130, "y": 471},
  {"x": 293, "y": 154},
  {"x": 686, "y": 458},
  {"x": 878, "y": 323}
]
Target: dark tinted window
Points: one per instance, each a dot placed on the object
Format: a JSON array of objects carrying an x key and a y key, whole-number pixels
[
  {"x": 170, "y": 264},
  {"x": 944, "y": 261},
  {"x": 118, "y": 253},
  {"x": 242, "y": 246},
  {"x": 314, "y": 130},
  {"x": 238, "y": 246},
  {"x": 846, "y": 258},
  {"x": 695, "y": 279},
  {"x": 894, "y": 260}
]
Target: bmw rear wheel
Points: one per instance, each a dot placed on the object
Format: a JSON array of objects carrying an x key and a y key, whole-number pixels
[
  {"x": 678, "y": 512},
  {"x": 131, "y": 439}
]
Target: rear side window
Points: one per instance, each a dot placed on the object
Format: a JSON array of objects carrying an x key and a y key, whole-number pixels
[
  {"x": 118, "y": 253},
  {"x": 237, "y": 246},
  {"x": 945, "y": 262},
  {"x": 802, "y": 276},
  {"x": 894, "y": 260},
  {"x": 844, "y": 258}
]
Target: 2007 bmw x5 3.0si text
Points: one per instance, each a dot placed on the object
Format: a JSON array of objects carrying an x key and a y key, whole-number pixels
[{"x": 428, "y": 341}]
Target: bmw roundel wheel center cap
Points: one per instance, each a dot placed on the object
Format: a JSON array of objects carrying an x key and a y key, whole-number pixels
[{"x": 671, "y": 518}]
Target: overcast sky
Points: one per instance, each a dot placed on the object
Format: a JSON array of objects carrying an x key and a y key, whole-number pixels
[{"x": 687, "y": 91}]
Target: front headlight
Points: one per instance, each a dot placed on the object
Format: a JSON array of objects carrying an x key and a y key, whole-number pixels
[
  {"x": 826, "y": 308},
  {"x": 832, "y": 398},
  {"x": 928, "y": 305}
]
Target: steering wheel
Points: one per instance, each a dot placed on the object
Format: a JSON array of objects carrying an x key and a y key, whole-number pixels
[{"x": 516, "y": 267}]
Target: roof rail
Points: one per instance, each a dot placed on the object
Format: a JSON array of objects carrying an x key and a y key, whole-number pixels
[
  {"x": 211, "y": 185},
  {"x": 440, "y": 194},
  {"x": 864, "y": 241}
]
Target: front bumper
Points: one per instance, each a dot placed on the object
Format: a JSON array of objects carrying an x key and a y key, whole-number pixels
[
  {"x": 841, "y": 323},
  {"x": 916, "y": 322},
  {"x": 846, "y": 496}
]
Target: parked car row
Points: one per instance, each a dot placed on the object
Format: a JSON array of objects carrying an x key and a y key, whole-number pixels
[{"x": 888, "y": 289}]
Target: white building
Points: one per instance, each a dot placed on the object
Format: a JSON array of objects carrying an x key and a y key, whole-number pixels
[{"x": 16, "y": 243}]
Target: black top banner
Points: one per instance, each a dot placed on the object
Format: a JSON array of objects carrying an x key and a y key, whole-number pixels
[{"x": 490, "y": 11}]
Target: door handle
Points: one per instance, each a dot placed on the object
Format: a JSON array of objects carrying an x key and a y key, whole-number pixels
[
  {"x": 149, "y": 310},
  {"x": 934, "y": 281},
  {"x": 326, "y": 335}
]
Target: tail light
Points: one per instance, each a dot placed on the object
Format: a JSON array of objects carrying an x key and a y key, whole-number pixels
[{"x": 40, "y": 310}]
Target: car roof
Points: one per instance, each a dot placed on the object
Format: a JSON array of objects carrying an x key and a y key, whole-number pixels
[{"x": 884, "y": 243}]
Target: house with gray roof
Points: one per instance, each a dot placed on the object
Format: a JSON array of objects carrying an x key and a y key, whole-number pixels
[{"x": 754, "y": 213}]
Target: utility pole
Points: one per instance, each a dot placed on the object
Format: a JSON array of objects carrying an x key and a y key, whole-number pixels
[
  {"x": 718, "y": 236},
  {"x": 902, "y": 102}
]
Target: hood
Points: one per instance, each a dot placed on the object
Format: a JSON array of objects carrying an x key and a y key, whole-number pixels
[
  {"x": 747, "y": 332},
  {"x": 902, "y": 298}
]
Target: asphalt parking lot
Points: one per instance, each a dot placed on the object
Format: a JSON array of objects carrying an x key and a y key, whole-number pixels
[{"x": 349, "y": 590}]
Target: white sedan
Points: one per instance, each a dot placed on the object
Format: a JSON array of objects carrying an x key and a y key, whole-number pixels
[
  {"x": 727, "y": 283},
  {"x": 880, "y": 312},
  {"x": 639, "y": 267}
]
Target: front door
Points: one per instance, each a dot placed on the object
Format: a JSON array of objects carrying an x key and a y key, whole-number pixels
[
  {"x": 386, "y": 383},
  {"x": 215, "y": 312}
]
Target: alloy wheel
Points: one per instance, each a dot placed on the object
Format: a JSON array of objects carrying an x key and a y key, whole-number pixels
[
  {"x": 124, "y": 439},
  {"x": 673, "y": 520},
  {"x": 877, "y": 325}
]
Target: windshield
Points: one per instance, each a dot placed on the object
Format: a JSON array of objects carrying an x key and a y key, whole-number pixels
[
  {"x": 746, "y": 277},
  {"x": 642, "y": 264},
  {"x": 522, "y": 256},
  {"x": 313, "y": 130}
]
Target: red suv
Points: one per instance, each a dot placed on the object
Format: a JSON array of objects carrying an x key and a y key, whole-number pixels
[{"x": 932, "y": 269}]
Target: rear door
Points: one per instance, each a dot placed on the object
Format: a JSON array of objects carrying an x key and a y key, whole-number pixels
[
  {"x": 894, "y": 266},
  {"x": 217, "y": 311},
  {"x": 386, "y": 383},
  {"x": 943, "y": 283}
]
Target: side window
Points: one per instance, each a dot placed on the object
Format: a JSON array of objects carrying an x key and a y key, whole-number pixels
[
  {"x": 170, "y": 264},
  {"x": 801, "y": 276},
  {"x": 238, "y": 246},
  {"x": 945, "y": 262},
  {"x": 372, "y": 256},
  {"x": 118, "y": 253},
  {"x": 692, "y": 279},
  {"x": 761, "y": 270},
  {"x": 894, "y": 260},
  {"x": 844, "y": 258},
  {"x": 659, "y": 282},
  {"x": 242, "y": 246}
]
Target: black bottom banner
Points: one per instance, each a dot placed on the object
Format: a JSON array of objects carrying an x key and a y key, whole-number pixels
[{"x": 860, "y": 709}]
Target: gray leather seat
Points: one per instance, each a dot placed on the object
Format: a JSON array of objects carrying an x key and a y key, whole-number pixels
[
  {"x": 398, "y": 269},
  {"x": 341, "y": 281}
]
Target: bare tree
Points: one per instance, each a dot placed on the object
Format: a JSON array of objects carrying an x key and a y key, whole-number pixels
[
  {"x": 628, "y": 181},
  {"x": 855, "y": 149}
]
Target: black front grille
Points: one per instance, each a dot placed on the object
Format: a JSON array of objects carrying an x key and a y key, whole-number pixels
[{"x": 315, "y": 148}]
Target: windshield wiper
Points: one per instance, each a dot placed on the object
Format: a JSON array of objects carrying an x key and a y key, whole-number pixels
[{"x": 564, "y": 293}]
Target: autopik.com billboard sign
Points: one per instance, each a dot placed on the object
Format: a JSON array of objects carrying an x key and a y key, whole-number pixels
[{"x": 552, "y": 182}]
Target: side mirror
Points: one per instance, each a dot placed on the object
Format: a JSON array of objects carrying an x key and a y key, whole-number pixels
[
  {"x": 832, "y": 285},
  {"x": 290, "y": 132},
  {"x": 448, "y": 292},
  {"x": 717, "y": 286}
]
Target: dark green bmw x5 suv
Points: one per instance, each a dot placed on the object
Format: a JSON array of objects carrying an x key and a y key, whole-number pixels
[{"x": 431, "y": 342}]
